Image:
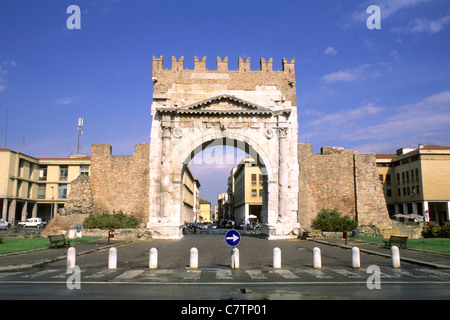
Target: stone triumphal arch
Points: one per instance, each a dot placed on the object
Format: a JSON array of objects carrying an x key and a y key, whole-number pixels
[{"x": 253, "y": 110}]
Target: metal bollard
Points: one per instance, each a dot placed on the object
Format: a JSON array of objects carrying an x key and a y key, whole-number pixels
[
  {"x": 112, "y": 258},
  {"x": 235, "y": 258},
  {"x": 71, "y": 257},
  {"x": 395, "y": 257},
  {"x": 356, "y": 263},
  {"x": 317, "y": 260},
  {"x": 153, "y": 260},
  {"x": 194, "y": 258},
  {"x": 277, "y": 258}
]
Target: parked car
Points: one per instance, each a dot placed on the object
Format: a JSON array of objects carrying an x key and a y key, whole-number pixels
[
  {"x": 3, "y": 225},
  {"x": 32, "y": 222}
]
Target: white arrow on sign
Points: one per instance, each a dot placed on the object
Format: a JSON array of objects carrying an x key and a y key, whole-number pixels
[{"x": 234, "y": 238}]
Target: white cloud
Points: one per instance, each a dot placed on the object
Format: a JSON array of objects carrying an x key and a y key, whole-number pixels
[
  {"x": 330, "y": 51},
  {"x": 426, "y": 116},
  {"x": 65, "y": 101},
  {"x": 4, "y": 65},
  {"x": 348, "y": 75},
  {"x": 428, "y": 26},
  {"x": 342, "y": 118}
]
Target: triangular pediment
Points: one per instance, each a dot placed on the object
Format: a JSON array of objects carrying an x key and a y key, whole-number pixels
[
  {"x": 225, "y": 102},
  {"x": 222, "y": 104}
]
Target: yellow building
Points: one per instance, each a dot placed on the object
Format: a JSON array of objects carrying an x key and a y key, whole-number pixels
[
  {"x": 204, "y": 213},
  {"x": 30, "y": 187},
  {"x": 190, "y": 192},
  {"x": 415, "y": 181},
  {"x": 248, "y": 191}
]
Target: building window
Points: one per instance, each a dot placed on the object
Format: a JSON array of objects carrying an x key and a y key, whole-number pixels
[
  {"x": 62, "y": 191},
  {"x": 63, "y": 172},
  {"x": 253, "y": 179},
  {"x": 260, "y": 192},
  {"x": 254, "y": 194},
  {"x": 388, "y": 180},
  {"x": 399, "y": 192},
  {"x": 43, "y": 173},
  {"x": 84, "y": 170},
  {"x": 41, "y": 191},
  {"x": 388, "y": 193},
  {"x": 418, "y": 189}
]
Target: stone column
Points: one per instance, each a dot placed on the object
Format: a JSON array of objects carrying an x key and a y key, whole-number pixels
[
  {"x": 165, "y": 171},
  {"x": 12, "y": 211},
  {"x": 24, "y": 211},
  {"x": 34, "y": 210},
  {"x": 282, "y": 175},
  {"x": 5, "y": 210}
]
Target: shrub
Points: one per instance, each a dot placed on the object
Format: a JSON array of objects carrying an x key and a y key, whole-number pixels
[
  {"x": 332, "y": 220},
  {"x": 434, "y": 231},
  {"x": 116, "y": 220}
]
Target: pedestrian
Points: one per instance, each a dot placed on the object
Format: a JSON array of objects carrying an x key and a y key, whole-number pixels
[{"x": 195, "y": 227}]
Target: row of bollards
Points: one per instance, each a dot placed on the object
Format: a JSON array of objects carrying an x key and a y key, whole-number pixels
[{"x": 193, "y": 261}]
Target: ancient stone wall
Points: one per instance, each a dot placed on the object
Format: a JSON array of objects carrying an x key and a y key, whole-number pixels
[
  {"x": 341, "y": 179},
  {"x": 120, "y": 182}
]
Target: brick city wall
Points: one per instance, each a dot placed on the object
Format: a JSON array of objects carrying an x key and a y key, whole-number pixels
[
  {"x": 120, "y": 182},
  {"x": 341, "y": 179}
]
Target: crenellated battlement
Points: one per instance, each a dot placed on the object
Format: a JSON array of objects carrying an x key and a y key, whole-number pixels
[{"x": 222, "y": 65}]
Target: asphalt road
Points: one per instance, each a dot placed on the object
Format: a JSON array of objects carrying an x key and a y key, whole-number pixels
[{"x": 256, "y": 279}]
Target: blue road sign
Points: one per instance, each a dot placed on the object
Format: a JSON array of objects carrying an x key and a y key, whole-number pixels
[{"x": 232, "y": 237}]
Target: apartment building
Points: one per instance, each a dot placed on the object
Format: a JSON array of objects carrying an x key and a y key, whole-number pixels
[
  {"x": 248, "y": 191},
  {"x": 36, "y": 187},
  {"x": 415, "y": 181}
]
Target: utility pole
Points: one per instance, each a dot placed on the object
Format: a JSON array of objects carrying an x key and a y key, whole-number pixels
[{"x": 80, "y": 133}]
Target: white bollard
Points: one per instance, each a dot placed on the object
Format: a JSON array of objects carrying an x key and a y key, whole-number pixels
[
  {"x": 395, "y": 257},
  {"x": 317, "y": 260},
  {"x": 356, "y": 263},
  {"x": 235, "y": 258},
  {"x": 277, "y": 258},
  {"x": 71, "y": 257},
  {"x": 194, "y": 258},
  {"x": 153, "y": 260},
  {"x": 112, "y": 258}
]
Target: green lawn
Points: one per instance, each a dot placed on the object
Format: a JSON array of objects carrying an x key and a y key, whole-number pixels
[
  {"x": 430, "y": 244},
  {"x": 11, "y": 245}
]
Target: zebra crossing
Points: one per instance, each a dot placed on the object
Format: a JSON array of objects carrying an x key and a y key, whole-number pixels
[{"x": 214, "y": 275}]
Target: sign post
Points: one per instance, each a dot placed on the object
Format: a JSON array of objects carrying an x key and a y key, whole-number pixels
[{"x": 232, "y": 238}]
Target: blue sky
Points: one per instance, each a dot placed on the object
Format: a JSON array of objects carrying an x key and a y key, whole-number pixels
[{"x": 366, "y": 90}]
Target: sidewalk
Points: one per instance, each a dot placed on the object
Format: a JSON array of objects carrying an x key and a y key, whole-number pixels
[
  {"x": 416, "y": 256},
  {"x": 36, "y": 258}
]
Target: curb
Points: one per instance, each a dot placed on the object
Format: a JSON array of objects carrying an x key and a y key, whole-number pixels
[
  {"x": 414, "y": 261},
  {"x": 61, "y": 257}
]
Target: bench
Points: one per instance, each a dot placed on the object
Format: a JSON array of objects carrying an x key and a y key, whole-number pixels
[
  {"x": 55, "y": 240},
  {"x": 401, "y": 240}
]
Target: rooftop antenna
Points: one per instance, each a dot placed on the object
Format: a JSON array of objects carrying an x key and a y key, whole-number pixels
[{"x": 80, "y": 133}]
